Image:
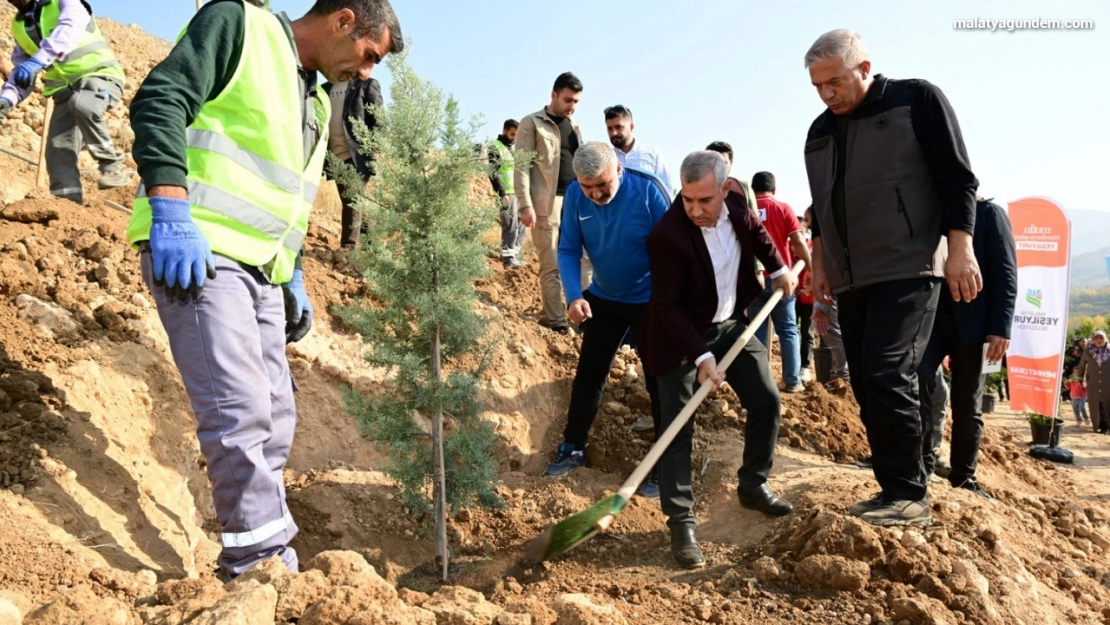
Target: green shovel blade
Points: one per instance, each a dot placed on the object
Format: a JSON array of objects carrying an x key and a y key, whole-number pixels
[{"x": 575, "y": 529}]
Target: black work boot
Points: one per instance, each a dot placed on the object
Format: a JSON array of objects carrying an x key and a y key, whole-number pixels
[{"x": 684, "y": 548}]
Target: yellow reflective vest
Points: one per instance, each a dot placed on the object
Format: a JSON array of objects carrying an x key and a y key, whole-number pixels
[
  {"x": 250, "y": 182},
  {"x": 91, "y": 57},
  {"x": 506, "y": 167}
]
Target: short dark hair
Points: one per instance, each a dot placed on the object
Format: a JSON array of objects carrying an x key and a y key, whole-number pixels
[
  {"x": 722, "y": 147},
  {"x": 618, "y": 110},
  {"x": 763, "y": 182},
  {"x": 509, "y": 125},
  {"x": 567, "y": 80},
  {"x": 372, "y": 19}
]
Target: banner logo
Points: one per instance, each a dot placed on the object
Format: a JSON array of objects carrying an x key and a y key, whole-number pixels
[{"x": 1034, "y": 297}]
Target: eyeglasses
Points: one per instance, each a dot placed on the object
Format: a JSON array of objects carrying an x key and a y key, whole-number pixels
[{"x": 617, "y": 109}]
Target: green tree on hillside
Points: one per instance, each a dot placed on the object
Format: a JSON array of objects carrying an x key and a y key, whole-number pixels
[
  {"x": 1089, "y": 302},
  {"x": 420, "y": 260}
]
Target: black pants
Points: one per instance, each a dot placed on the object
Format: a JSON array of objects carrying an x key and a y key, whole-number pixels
[
  {"x": 750, "y": 376},
  {"x": 804, "y": 313},
  {"x": 966, "y": 394},
  {"x": 1004, "y": 389},
  {"x": 602, "y": 335},
  {"x": 351, "y": 218},
  {"x": 886, "y": 327}
]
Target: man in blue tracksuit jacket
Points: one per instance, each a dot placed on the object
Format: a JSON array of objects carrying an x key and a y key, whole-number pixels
[{"x": 609, "y": 211}]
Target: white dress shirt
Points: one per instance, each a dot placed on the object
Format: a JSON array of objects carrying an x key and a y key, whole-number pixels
[
  {"x": 649, "y": 159},
  {"x": 724, "y": 251}
]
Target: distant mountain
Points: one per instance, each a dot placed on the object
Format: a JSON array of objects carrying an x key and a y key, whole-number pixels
[
  {"x": 1088, "y": 271},
  {"x": 1090, "y": 231},
  {"x": 1090, "y": 245}
]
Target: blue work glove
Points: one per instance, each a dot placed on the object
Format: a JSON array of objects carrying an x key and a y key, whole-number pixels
[
  {"x": 298, "y": 310},
  {"x": 5, "y": 106},
  {"x": 179, "y": 254},
  {"x": 24, "y": 75}
]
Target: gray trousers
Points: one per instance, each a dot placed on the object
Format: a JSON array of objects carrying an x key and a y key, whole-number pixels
[
  {"x": 512, "y": 230},
  {"x": 230, "y": 350},
  {"x": 938, "y": 402},
  {"x": 835, "y": 343},
  {"x": 79, "y": 120}
]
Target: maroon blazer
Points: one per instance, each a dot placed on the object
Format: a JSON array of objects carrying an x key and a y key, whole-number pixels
[{"x": 684, "y": 287}]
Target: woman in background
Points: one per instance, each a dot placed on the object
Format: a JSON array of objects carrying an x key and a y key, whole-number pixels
[{"x": 1094, "y": 368}]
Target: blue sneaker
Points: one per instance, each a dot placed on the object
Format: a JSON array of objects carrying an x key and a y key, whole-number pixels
[
  {"x": 650, "y": 488},
  {"x": 567, "y": 460}
]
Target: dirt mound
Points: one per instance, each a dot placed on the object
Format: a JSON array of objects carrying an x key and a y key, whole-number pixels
[
  {"x": 826, "y": 423},
  {"x": 335, "y": 587},
  {"x": 964, "y": 568}
]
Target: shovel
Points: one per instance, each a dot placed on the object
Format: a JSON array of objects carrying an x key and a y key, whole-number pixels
[{"x": 578, "y": 528}]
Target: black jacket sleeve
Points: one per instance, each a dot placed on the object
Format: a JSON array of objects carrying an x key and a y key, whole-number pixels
[
  {"x": 363, "y": 93},
  {"x": 1000, "y": 270},
  {"x": 938, "y": 132}
]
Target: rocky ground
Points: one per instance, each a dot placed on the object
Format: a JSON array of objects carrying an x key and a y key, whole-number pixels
[{"x": 105, "y": 515}]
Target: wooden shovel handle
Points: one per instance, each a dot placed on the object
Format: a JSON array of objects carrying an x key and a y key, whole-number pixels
[
  {"x": 633, "y": 482},
  {"x": 42, "y": 180}
]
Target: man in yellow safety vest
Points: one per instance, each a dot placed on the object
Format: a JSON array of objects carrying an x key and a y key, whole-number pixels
[
  {"x": 60, "y": 39},
  {"x": 230, "y": 137}
]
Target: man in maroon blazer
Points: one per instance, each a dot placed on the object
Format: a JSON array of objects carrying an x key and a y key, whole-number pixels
[{"x": 703, "y": 277}]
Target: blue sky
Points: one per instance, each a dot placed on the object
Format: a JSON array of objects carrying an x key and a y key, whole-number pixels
[{"x": 1034, "y": 105}]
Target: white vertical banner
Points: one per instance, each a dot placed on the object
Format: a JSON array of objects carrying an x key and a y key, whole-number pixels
[{"x": 1042, "y": 237}]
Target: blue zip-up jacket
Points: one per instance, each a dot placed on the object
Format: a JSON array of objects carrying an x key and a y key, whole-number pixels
[{"x": 614, "y": 237}]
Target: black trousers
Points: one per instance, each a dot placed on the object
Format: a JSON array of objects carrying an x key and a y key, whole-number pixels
[
  {"x": 602, "y": 335},
  {"x": 966, "y": 394},
  {"x": 1004, "y": 390},
  {"x": 750, "y": 376},
  {"x": 886, "y": 327},
  {"x": 804, "y": 313},
  {"x": 350, "y": 218}
]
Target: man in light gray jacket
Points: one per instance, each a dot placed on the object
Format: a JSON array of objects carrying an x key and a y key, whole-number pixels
[{"x": 554, "y": 137}]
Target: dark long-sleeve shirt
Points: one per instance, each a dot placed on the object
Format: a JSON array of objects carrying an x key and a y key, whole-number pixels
[
  {"x": 196, "y": 71},
  {"x": 992, "y": 313}
]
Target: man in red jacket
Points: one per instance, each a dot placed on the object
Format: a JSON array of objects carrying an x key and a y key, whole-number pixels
[
  {"x": 786, "y": 233},
  {"x": 703, "y": 275}
]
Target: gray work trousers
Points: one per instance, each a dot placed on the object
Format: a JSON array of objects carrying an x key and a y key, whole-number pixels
[
  {"x": 512, "y": 231},
  {"x": 78, "y": 120},
  {"x": 938, "y": 403},
  {"x": 230, "y": 350},
  {"x": 835, "y": 342}
]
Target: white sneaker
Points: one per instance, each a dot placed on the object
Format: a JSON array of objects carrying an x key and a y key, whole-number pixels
[
  {"x": 807, "y": 375},
  {"x": 115, "y": 178}
]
